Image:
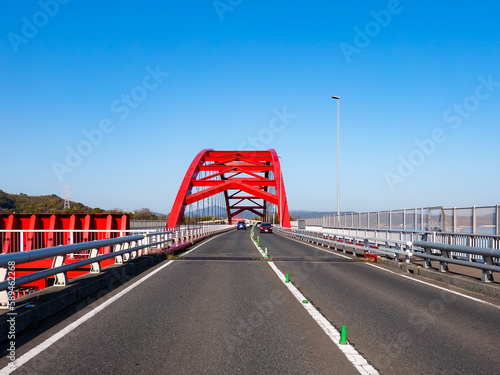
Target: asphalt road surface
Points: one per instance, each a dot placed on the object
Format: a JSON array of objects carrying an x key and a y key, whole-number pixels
[{"x": 212, "y": 315}]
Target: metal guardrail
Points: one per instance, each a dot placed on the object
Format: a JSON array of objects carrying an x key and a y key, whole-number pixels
[
  {"x": 455, "y": 254},
  {"x": 483, "y": 258},
  {"x": 452, "y": 238},
  {"x": 124, "y": 249},
  {"x": 342, "y": 242}
]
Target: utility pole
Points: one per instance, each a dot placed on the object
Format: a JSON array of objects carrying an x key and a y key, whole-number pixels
[{"x": 66, "y": 197}]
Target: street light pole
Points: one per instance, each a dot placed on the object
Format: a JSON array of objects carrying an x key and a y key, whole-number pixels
[{"x": 338, "y": 156}]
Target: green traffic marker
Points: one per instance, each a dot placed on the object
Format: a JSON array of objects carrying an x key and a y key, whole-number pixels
[
  {"x": 343, "y": 334},
  {"x": 287, "y": 278}
]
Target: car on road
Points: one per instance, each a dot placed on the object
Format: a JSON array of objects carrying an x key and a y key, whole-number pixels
[
  {"x": 241, "y": 225},
  {"x": 259, "y": 223},
  {"x": 266, "y": 228}
]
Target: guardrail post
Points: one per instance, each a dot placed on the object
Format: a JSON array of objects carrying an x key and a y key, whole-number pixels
[
  {"x": 118, "y": 258},
  {"x": 487, "y": 276},
  {"x": 96, "y": 266},
  {"x": 366, "y": 244},
  {"x": 398, "y": 255},
  {"x": 427, "y": 262},
  {"x": 133, "y": 254},
  {"x": 388, "y": 246},
  {"x": 61, "y": 279},
  {"x": 126, "y": 256},
  {"x": 408, "y": 255},
  {"x": 443, "y": 265}
]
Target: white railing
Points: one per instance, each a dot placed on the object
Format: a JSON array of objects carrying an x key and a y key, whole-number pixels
[{"x": 484, "y": 220}]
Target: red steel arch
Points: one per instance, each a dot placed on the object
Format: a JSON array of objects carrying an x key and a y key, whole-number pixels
[{"x": 244, "y": 177}]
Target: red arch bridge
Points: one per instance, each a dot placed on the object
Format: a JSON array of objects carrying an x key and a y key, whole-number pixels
[{"x": 229, "y": 183}]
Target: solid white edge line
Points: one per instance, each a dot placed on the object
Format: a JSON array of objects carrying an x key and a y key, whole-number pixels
[
  {"x": 359, "y": 362},
  {"x": 57, "y": 336},
  {"x": 452, "y": 291},
  {"x": 382, "y": 268}
]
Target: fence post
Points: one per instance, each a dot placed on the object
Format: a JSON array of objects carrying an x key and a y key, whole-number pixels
[
  {"x": 474, "y": 219},
  {"x": 497, "y": 221}
]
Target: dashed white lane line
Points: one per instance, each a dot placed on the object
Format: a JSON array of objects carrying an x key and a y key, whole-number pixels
[
  {"x": 359, "y": 362},
  {"x": 59, "y": 335}
]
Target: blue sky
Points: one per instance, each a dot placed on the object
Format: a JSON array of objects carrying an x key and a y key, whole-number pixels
[{"x": 116, "y": 100}]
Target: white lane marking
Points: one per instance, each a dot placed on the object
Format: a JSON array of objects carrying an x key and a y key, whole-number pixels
[
  {"x": 452, "y": 291},
  {"x": 383, "y": 269},
  {"x": 59, "y": 335},
  {"x": 359, "y": 362},
  {"x": 437, "y": 287}
]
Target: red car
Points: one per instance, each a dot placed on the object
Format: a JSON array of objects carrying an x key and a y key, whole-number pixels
[{"x": 266, "y": 227}]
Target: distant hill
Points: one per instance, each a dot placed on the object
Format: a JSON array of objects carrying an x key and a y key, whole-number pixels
[{"x": 41, "y": 204}]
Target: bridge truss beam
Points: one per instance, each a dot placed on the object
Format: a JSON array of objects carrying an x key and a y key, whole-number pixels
[{"x": 247, "y": 180}]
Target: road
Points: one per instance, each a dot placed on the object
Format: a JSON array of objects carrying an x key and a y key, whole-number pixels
[{"x": 217, "y": 316}]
